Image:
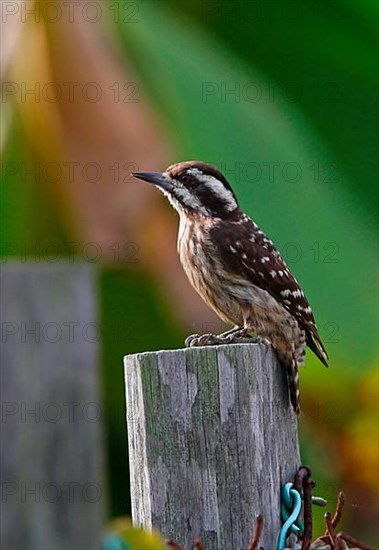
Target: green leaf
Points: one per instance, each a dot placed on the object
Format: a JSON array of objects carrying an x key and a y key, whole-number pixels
[{"x": 304, "y": 207}]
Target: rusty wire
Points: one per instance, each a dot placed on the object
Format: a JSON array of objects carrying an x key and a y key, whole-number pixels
[
  {"x": 340, "y": 541},
  {"x": 330, "y": 531},
  {"x": 173, "y": 545},
  {"x": 305, "y": 485},
  {"x": 304, "y": 472},
  {"x": 355, "y": 542},
  {"x": 257, "y": 533},
  {"x": 308, "y": 486},
  {"x": 339, "y": 509}
]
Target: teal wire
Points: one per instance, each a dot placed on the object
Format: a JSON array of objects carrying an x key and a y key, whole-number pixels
[
  {"x": 114, "y": 542},
  {"x": 293, "y": 516},
  {"x": 287, "y": 505}
]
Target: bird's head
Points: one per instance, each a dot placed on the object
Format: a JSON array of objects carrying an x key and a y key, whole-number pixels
[{"x": 195, "y": 187}]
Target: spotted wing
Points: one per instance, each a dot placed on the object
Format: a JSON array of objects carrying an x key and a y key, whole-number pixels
[{"x": 244, "y": 249}]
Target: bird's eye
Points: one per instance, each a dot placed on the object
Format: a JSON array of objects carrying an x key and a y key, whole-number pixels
[{"x": 187, "y": 180}]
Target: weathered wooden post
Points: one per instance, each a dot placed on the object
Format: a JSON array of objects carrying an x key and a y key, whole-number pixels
[
  {"x": 212, "y": 439},
  {"x": 52, "y": 468}
]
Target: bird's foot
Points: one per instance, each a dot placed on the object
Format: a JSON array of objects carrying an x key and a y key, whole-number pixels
[
  {"x": 244, "y": 336},
  {"x": 196, "y": 340},
  {"x": 247, "y": 340}
]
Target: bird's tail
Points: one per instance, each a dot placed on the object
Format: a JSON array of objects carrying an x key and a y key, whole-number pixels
[
  {"x": 315, "y": 344},
  {"x": 290, "y": 364},
  {"x": 293, "y": 386}
]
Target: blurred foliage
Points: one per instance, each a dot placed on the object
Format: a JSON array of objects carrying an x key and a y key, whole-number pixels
[
  {"x": 234, "y": 133},
  {"x": 122, "y": 535},
  {"x": 21, "y": 202},
  {"x": 289, "y": 87},
  {"x": 328, "y": 51},
  {"x": 127, "y": 324},
  {"x": 329, "y": 58}
]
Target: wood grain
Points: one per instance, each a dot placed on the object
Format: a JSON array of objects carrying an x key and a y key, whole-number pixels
[
  {"x": 212, "y": 438},
  {"x": 51, "y": 438}
]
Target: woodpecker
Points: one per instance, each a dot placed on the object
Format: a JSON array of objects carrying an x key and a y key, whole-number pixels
[{"x": 236, "y": 269}]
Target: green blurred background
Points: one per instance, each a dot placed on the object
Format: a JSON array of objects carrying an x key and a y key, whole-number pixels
[{"x": 283, "y": 97}]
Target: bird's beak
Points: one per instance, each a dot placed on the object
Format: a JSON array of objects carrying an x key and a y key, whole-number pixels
[{"x": 156, "y": 178}]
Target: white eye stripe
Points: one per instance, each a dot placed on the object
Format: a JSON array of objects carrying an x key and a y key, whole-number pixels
[
  {"x": 188, "y": 198},
  {"x": 195, "y": 172},
  {"x": 217, "y": 187},
  {"x": 182, "y": 197}
]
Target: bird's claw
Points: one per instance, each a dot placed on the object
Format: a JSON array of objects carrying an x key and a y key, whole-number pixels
[
  {"x": 247, "y": 339},
  {"x": 196, "y": 340}
]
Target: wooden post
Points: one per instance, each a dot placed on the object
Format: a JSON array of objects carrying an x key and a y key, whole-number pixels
[
  {"x": 212, "y": 439},
  {"x": 52, "y": 484}
]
